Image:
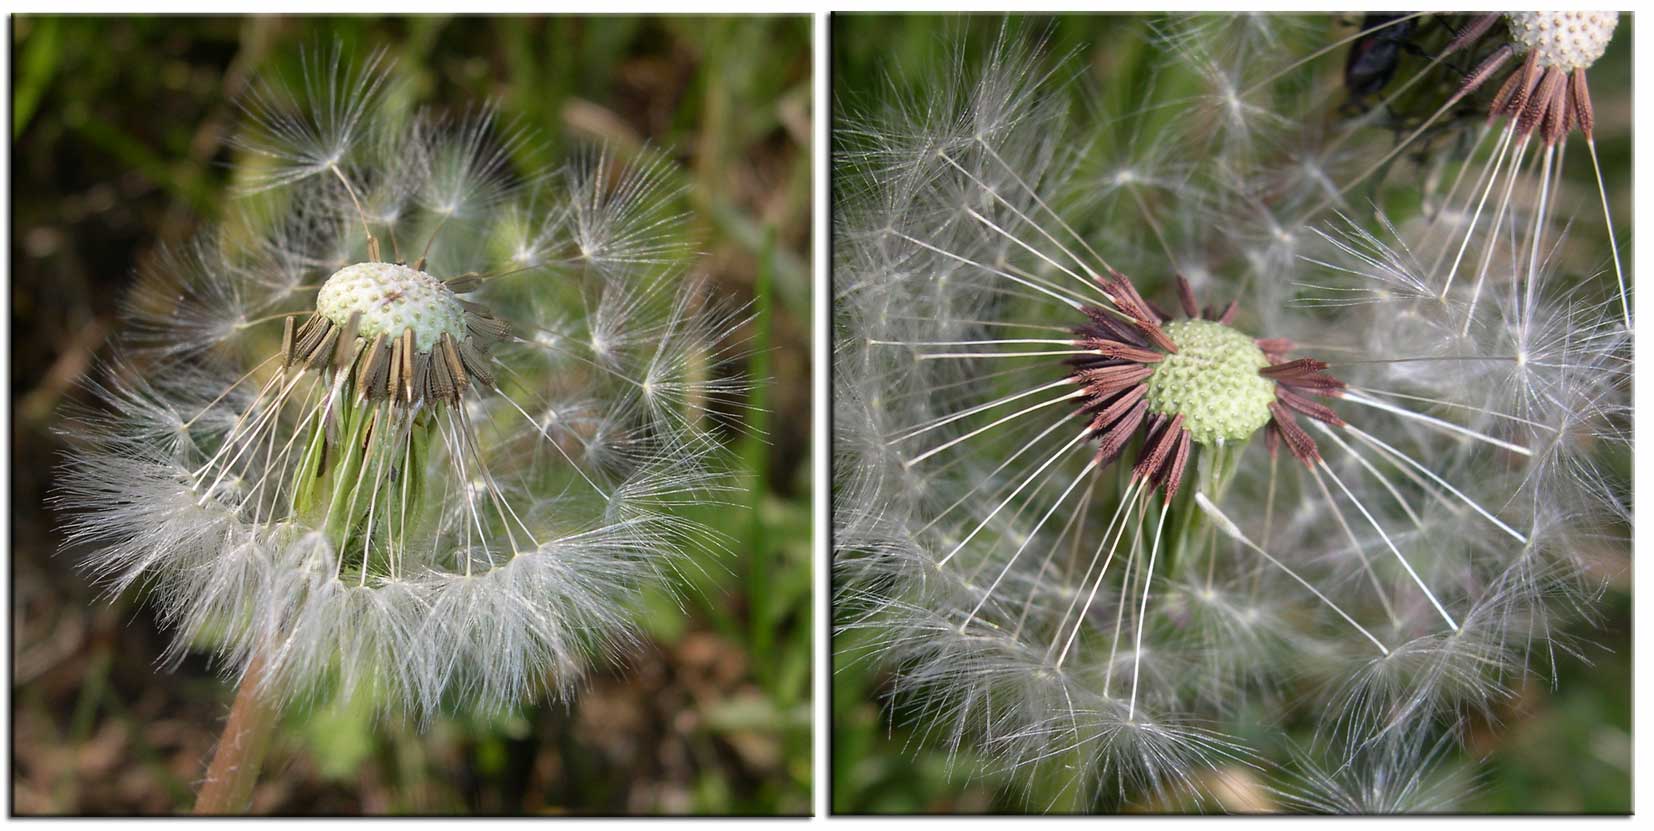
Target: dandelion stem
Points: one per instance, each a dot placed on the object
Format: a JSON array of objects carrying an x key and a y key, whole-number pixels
[
  {"x": 228, "y": 787},
  {"x": 1217, "y": 467}
]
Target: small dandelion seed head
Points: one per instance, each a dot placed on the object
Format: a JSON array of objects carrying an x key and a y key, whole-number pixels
[
  {"x": 352, "y": 435},
  {"x": 1565, "y": 40}
]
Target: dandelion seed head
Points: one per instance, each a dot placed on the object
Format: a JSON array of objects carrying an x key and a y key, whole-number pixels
[
  {"x": 356, "y": 436},
  {"x": 1565, "y": 40},
  {"x": 1052, "y": 524}
]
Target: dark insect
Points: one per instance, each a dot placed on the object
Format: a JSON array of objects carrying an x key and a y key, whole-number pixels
[{"x": 1374, "y": 55}]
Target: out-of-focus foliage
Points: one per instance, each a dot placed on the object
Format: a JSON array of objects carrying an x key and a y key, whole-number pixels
[
  {"x": 120, "y": 129},
  {"x": 1561, "y": 749}
]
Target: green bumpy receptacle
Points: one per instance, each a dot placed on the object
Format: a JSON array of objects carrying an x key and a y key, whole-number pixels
[{"x": 1213, "y": 381}]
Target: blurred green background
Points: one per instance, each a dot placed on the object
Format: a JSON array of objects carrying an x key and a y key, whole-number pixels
[
  {"x": 120, "y": 129},
  {"x": 1566, "y": 749}
]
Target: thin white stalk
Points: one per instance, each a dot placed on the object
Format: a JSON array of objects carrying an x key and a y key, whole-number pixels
[
  {"x": 1328, "y": 49},
  {"x": 1126, "y": 586},
  {"x": 1499, "y": 153},
  {"x": 247, "y": 439},
  {"x": 1066, "y": 300},
  {"x": 236, "y": 429},
  {"x": 1443, "y": 402},
  {"x": 1071, "y": 526},
  {"x": 1003, "y": 324},
  {"x": 456, "y": 457},
  {"x": 989, "y": 478},
  {"x": 1028, "y": 539},
  {"x": 1089, "y": 283},
  {"x": 990, "y": 342},
  {"x": 970, "y": 411},
  {"x": 1360, "y": 551},
  {"x": 382, "y": 442},
  {"x": 1419, "y": 581},
  {"x": 1414, "y": 463},
  {"x": 1536, "y": 233},
  {"x": 1608, "y": 222},
  {"x": 502, "y": 507},
  {"x": 1142, "y": 613},
  {"x": 1001, "y": 506},
  {"x": 1383, "y": 160},
  {"x": 1383, "y": 480},
  {"x": 1482, "y": 133},
  {"x": 1493, "y": 238},
  {"x": 978, "y": 431},
  {"x": 1228, "y": 526},
  {"x": 1437, "y": 423},
  {"x": 1079, "y": 620},
  {"x": 1040, "y": 201},
  {"x": 551, "y": 441},
  {"x": 1044, "y": 353}
]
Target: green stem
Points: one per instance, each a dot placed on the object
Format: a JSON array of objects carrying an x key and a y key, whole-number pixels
[
  {"x": 228, "y": 788},
  {"x": 1214, "y": 471}
]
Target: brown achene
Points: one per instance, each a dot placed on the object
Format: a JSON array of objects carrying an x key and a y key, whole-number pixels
[{"x": 1552, "y": 99}]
